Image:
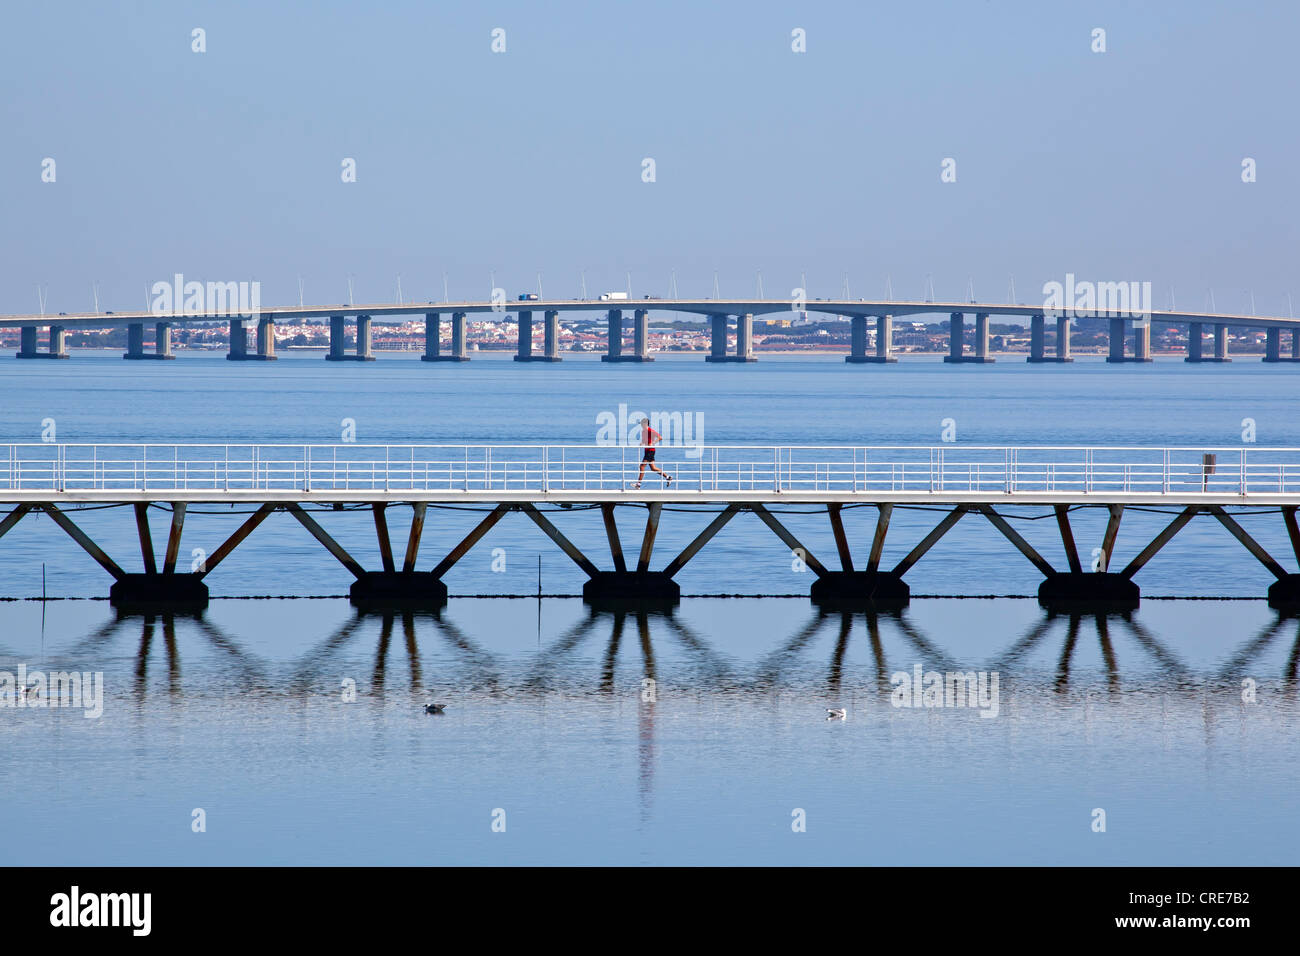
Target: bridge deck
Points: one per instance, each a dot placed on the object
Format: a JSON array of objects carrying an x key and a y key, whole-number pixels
[{"x": 956, "y": 474}]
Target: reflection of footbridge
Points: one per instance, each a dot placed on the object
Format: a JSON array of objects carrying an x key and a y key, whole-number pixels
[{"x": 560, "y": 663}]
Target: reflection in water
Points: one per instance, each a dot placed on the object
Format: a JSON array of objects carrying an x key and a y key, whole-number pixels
[
  {"x": 819, "y": 660},
  {"x": 557, "y": 662}
]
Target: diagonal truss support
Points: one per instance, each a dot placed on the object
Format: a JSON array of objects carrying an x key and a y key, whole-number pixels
[
  {"x": 1023, "y": 546},
  {"x": 703, "y": 538},
  {"x": 1159, "y": 541},
  {"x": 790, "y": 540},
  {"x": 229, "y": 545},
  {"x": 332, "y": 546},
  {"x": 567, "y": 546},
  {"x": 929, "y": 540},
  {"x": 480, "y": 529}
]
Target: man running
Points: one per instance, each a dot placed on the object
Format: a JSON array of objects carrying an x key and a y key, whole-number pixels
[{"x": 649, "y": 437}]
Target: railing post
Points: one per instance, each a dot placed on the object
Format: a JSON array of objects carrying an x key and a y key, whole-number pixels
[
  {"x": 776, "y": 470},
  {"x": 1242, "y": 482}
]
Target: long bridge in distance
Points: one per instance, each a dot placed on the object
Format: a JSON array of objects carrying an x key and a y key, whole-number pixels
[
  {"x": 731, "y": 325},
  {"x": 543, "y": 483}
]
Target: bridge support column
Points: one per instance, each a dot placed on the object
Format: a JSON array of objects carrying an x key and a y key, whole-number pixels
[
  {"x": 718, "y": 327},
  {"x": 641, "y": 335},
  {"x": 459, "y": 338},
  {"x": 1142, "y": 342},
  {"x": 1193, "y": 342},
  {"x": 524, "y": 351},
  {"x": 338, "y": 340},
  {"x": 884, "y": 344},
  {"x": 238, "y": 341},
  {"x": 265, "y": 339},
  {"x": 745, "y": 338},
  {"x": 885, "y": 340},
  {"x": 956, "y": 338},
  {"x": 27, "y": 343},
  {"x": 1116, "y": 341},
  {"x": 162, "y": 348},
  {"x": 1221, "y": 344},
  {"x": 59, "y": 342},
  {"x": 432, "y": 338},
  {"x": 1273, "y": 345},
  {"x": 614, "y": 336},
  {"x": 551, "y": 336},
  {"x": 1037, "y": 338},
  {"x": 432, "y": 332},
  {"x": 718, "y": 345},
  {"x": 365, "y": 339},
  {"x": 981, "y": 340},
  {"x": 134, "y": 341},
  {"x": 1063, "y": 338},
  {"x": 857, "y": 339}
]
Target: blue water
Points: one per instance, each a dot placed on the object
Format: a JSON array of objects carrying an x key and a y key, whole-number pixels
[{"x": 241, "y": 713}]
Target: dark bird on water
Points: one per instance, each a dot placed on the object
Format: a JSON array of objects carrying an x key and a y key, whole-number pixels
[{"x": 434, "y": 708}]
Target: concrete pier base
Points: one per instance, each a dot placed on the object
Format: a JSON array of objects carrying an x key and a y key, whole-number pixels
[
  {"x": 1089, "y": 591},
  {"x": 159, "y": 592},
  {"x": 1284, "y": 595},
  {"x": 861, "y": 590},
  {"x": 631, "y": 589},
  {"x": 433, "y": 349},
  {"x": 742, "y": 359},
  {"x": 398, "y": 589},
  {"x": 884, "y": 341}
]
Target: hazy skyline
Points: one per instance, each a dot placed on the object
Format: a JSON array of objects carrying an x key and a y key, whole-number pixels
[{"x": 225, "y": 165}]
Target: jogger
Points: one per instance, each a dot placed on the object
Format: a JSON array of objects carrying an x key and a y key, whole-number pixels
[{"x": 649, "y": 438}]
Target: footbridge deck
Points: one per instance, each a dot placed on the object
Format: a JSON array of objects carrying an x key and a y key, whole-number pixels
[{"x": 537, "y": 480}]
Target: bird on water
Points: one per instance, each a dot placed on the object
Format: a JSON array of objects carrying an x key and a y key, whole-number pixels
[
  {"x": 841, "y": 713},
  {"x": 434, "y": 708}
]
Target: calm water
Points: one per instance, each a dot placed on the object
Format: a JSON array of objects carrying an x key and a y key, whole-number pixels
[{"x": 242, "y": 714}]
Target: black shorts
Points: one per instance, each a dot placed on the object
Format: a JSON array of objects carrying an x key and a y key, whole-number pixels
[{"x": 648, "y": 454}]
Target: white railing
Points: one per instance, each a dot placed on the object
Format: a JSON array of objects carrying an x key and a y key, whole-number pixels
[{"x": 721, "y": 468}]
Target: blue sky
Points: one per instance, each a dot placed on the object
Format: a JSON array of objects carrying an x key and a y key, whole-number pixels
[{"x": 225, "y": 165}]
